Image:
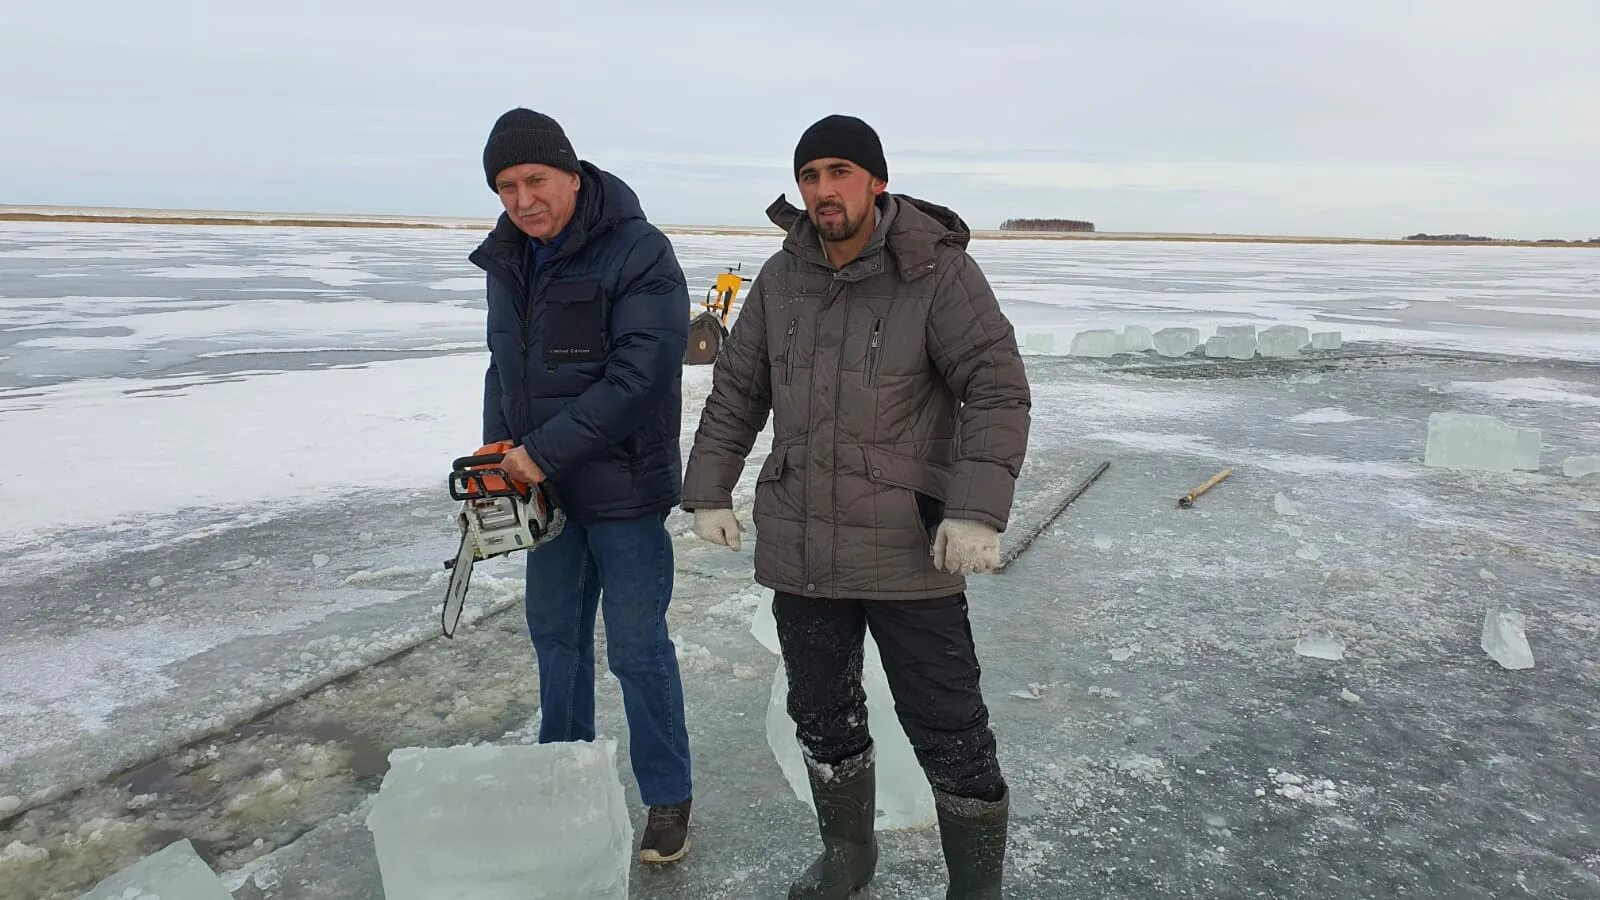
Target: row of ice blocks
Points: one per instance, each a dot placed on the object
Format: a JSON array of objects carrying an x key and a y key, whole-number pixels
[{"x": 1230, "y": 342}]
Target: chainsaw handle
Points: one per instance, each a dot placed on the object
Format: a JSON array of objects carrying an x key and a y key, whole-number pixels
[{"x": 486, "y": 459}]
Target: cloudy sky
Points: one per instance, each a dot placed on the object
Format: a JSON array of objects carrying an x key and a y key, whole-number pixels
[{"x": 1263, "y": 116}]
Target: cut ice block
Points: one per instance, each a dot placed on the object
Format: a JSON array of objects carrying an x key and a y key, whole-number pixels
[
  {"x": 1239, "y": 346},
  {"x": 1505, "y": 638},
  {"x": 1283, "y": 505},
  {"x": 1137, "y": 339},
  {"x": 1217, "y": 348},
  {"x": 1327, "y": 340},
  {"x": 1319, "y": 643},
  {"x": 175, "y": 872},
  {"x": 1283, "y": 341},
  {"x": 1176, "y": 341},
  {"x": 1470, "y": 441},
  {"x": 1579, "y": 466},
  {"x": 1248, "y": 331},
  {"x": 904, "y": 799},
  {"x": 1100, "y": 342},
  {"x": 533, "y": 822},
  {"x": 1041, "y": 342}
]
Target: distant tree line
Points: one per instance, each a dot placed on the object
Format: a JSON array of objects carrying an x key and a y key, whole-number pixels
[
  {"x": 1046, "y": 225},
  {"x": 1421, "y": 236}
]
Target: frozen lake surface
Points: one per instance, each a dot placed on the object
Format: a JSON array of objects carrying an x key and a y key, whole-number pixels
[{"x": 222, "y": 454}]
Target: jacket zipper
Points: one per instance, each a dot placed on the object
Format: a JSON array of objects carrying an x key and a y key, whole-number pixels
[
  {"x": 872, "y": 352},
  {"x": 788, "y": 350}
]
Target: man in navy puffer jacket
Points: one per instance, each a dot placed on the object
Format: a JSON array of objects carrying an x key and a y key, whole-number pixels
[{"x": 588, "y": 321}]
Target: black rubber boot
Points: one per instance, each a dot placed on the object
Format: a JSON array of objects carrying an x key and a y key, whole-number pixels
[
  {"x": 973, "y": 833},
  {"x": 846, "y": 798}
]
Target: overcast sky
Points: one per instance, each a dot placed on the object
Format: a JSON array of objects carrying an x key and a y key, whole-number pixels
[{"x": 1265, "y": 116}]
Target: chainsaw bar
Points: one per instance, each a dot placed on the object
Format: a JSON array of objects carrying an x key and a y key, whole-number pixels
[{"x": 455, "y": 596}]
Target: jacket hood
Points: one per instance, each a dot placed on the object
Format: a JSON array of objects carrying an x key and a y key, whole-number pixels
[
  {"x": 604, "y": 202},
  {"x": 916, "y": 232}
]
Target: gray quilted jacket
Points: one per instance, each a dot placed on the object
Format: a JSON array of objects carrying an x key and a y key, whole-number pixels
[{"x": 897, "y": 396}]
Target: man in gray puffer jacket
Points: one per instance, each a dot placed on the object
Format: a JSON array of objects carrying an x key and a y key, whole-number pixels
[{"x": 900, "y": 412}]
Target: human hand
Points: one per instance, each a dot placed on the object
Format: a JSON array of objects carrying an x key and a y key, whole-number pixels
[
  {"x": 719, "y": 526},
  {"x": 965, "y": 547},
  {"x": 521, "y": 467}
]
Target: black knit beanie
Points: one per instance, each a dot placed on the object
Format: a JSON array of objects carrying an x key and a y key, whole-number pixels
[
  {"x": 524, "y": 136},
  {"x": 844, "y": 137}
]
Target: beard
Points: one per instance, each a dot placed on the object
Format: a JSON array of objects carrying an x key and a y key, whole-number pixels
[{"x": 842, "y": 230}]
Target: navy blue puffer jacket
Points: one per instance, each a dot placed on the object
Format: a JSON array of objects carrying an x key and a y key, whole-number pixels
[{"x": 586, "y": 362}]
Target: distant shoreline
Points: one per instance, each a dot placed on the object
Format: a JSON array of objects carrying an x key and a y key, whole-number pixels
[{"x": 45, "y": 214}]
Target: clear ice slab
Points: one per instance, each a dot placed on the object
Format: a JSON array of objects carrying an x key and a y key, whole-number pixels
[
  {"x": 905, "y": 801},
  {"x": 1471, "y": 441},
  {"x": 1041, "y": 342},
  {"x": 1217, "y": 348},
  {"x": 1283, "y": 341},
  {"x": 1100, "y": 342},
  {"x": 1505, "y": 638},
  {"x": 535, "y": 822},
  {"x": 1176, "y": 341},
  {"x": 1319, "y": 643},
  {"x": 1580, "y": 466},
  {"x": 1137, "y": 339},
  {"x": 175, "y": 872},
  {"x": 1327, "y": 340}
]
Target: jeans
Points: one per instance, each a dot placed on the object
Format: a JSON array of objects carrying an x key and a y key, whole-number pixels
[
  {"x": 624, "y": 569},
  {"x": 933, "y": 672}
]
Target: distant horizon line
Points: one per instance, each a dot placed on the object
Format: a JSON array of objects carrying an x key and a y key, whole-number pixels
[{"x": 129, "y": 215}]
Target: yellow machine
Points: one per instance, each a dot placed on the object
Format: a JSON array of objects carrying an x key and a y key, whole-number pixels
[{"x": 709, "y": 329}]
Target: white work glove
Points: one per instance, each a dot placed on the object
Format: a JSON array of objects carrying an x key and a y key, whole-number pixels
[
  {"x": 965, "y": 547},
  {"x": 719, "y": 526}
]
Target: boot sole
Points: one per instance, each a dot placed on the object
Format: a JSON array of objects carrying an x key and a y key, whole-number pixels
[{"x": 654, "y": 857}]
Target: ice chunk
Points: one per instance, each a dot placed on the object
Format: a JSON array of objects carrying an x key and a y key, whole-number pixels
[
  {"x": 1239, "y": 346},
  {"x": 1100, "y": 342},
  {"x": 904, "y": 798},
  {"x": 1580, "y": 466},
  {"x": 175, "y": 872},
  {"x": 1041, "y": 342},
  {"x": 1283, "y": 341},
  {"x": 1308, "y": 552},
  {"x": 1505, "y": 638},
  {"x": 318, "y": 560},
  {"x": 765, "y": 626},
  {"x": 1283, "y": 505},
  {"x": 1470, "y": 441},
  {"x": 1176, "y": 341},
  {"x": 1217, "y": 348},
  {"x": 1349, "y": 696},
  {"x": 1137, "y": 339},
  {"x": 9, "y": 805},
  {"x": 1326, "y": 340},
  {"x": 1103, "y": 542},
  {"x": 543, "y": 821},
  {"x": 1248, "y": 331},
  {"x": 1320, "y": 643}
]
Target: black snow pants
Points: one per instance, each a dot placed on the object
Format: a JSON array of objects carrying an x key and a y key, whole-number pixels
[{"x": 933, "y": 673}]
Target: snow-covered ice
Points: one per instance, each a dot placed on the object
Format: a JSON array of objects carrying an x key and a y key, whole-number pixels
[
  {"x": 174, "y": 873},
  {"x": 1473, "y": 441},
  {"x": 1505, "y": 638},
  {"x": 537, "y": 822}
]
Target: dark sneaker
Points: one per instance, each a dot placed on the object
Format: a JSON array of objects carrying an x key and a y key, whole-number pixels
[{"x": 666, "y": 835}]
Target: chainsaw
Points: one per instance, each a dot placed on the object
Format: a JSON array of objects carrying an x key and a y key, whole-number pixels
[{"x": 498, "y": 515}]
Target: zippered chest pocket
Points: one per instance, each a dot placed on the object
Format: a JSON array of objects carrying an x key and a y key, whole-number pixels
[{"x": 574, "y": 322}]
